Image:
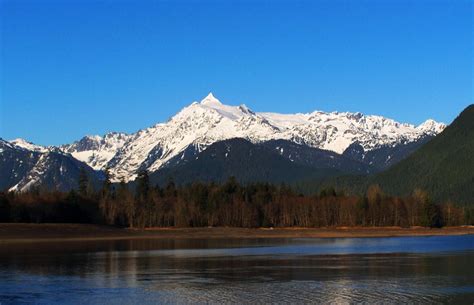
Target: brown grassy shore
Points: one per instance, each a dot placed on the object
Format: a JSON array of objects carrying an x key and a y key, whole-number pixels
[{"x": 69, "y": 232}]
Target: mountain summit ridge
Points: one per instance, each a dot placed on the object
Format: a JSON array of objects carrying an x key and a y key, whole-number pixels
[
  {"x": 199, "y": 125},
  {"x": 203, "y": 123}
]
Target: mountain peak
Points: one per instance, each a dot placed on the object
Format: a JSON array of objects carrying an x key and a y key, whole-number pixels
[
  {"x": 19, "y": 142},
  {"x": 430, "y": 126},
  {"x": 210, "y": 100},
  {"x": 93, "y": 137}
]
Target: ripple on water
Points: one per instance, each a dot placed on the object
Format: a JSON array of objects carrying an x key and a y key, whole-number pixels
[{"x": 275, "y": 273}]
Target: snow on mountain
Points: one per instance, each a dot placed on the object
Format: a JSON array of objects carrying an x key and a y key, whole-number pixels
[
  {"x": 203, "y": 123},
  {"x": 336, "y": 131},
  {"x": 5, "y": 144},
  {"x": 28, "y": 145},
  {"x": 96, "y": 151},
  {"x": 431, "y": 127},
  {"x": 199, "y": 124},
  {"x": 33, "y": 176},
  {"x": 15, "y": 162},
  {"x": 24, "y": 165},
  {"x": 53, "y": 169}
]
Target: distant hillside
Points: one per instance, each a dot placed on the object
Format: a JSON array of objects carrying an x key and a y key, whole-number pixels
[
  {"x": 22, "y": 169},
  {"x": 15, "y": 163},
  {"x": 250, "y": 162},
  {"x": 385, "y": 156},
  {"x": 444, "y": 166},
  {"x": 55, "y": 170}
]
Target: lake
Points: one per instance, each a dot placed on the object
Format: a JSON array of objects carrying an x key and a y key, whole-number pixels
[{"x": 339, "y": 270}]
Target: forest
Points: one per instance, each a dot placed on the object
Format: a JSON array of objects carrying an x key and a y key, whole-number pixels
[{"x": 226, "y": 204}]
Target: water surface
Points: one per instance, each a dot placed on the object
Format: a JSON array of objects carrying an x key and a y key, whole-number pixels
[{"x": 341, "y": 270}]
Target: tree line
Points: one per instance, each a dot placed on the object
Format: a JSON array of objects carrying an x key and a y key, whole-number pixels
[{"x": 225, "y": 204}]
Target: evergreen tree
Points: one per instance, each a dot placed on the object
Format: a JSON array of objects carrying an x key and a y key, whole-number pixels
[
  {"x": 431, "y": 214},
  {"x": 127, "y": 205},
  {"x": 106, "y": 202},
  {"x": 107, "y": 184},
  {"x": 362, "y": 207},
  {"x": 231, "y": 186},
  {"x": 143, "y": 186},
  {"x": 170, "y": 189},
  {"x": 122, "y": 189},
  {"x": 83, "y": 182},
  {"x": 72, "y": 198}
]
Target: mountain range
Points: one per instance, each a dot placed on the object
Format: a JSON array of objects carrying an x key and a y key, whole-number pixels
[
  {"x": 209, "y": 140},
  {"x": 36, "y": 167}
]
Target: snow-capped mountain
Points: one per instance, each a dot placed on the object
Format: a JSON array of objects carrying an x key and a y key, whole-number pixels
[
  {"x": 15, "y": 162},
  {"x": 23, "y": 167},
  {"x": 28, "y": 145},
  {"x": 203, "y": 123},
  {"x": 54, "y": 170},
  {"x": 97, "y": 151}
]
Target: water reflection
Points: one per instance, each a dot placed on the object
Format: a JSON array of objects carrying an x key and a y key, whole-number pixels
[{"x": 437, "y": 270}]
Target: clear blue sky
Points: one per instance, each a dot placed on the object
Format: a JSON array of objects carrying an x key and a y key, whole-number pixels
[{"x": 70, "y": 68}]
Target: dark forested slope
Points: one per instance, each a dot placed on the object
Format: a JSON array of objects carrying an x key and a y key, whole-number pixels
[
  {"x": 444, "y": 166},
  {"x": 245, "y": 161}
]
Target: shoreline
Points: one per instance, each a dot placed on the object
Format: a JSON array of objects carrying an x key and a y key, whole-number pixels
[{"x": 24, "y": 233}]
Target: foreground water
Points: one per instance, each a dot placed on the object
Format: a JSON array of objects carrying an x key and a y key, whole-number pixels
[{"x": 343, "y": 270}]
